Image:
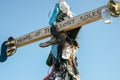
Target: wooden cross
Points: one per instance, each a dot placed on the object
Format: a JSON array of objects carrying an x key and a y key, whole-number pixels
[
  {"x": 66, "y": 25},
  {"x": 69, "y": 24}
]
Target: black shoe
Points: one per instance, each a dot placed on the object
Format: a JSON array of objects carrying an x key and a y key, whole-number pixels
[{"x": 48, "y": 43}]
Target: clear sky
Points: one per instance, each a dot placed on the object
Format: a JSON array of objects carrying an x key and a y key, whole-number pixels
[{"x": 98, "y": 55}]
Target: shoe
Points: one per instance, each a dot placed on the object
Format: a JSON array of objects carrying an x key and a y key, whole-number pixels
[{"x": 48, "y": 43}]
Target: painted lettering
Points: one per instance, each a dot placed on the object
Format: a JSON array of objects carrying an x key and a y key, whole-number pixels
[
  {"x": 24, "y": 38},
  {"x": 47, "y": 30},
  {"x": 37, "y": 33},
  {"x": 68, "y": 23},
  {"x": 90, "y": 15}
]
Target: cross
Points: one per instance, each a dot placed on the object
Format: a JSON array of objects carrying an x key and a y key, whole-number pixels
[{"x": 72, "y": 23}]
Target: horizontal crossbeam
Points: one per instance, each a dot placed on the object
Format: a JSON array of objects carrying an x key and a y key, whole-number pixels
[{"x": 67, "y": 25}]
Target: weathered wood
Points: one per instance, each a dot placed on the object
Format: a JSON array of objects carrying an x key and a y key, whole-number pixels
[{"x": 67, "y": 25}]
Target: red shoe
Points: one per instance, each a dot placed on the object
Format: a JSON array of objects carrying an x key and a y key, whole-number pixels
[{"x": 49, "y": 75}]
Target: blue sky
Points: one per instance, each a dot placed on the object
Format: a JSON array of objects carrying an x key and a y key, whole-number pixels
[{"x": 98, "y": 55}]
